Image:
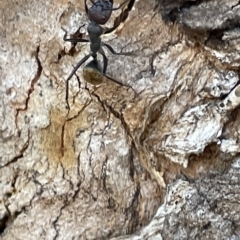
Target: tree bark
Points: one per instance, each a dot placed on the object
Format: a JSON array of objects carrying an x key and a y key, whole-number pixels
[{"x": 156, "y": 158}]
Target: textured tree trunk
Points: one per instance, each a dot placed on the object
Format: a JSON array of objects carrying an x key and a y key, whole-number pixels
[{"x": 157, "y": 158}]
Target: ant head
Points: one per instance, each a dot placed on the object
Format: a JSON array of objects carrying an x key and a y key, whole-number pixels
[
  {"x": 93, "y": 73},
  {"x": 100, "y": 11}
]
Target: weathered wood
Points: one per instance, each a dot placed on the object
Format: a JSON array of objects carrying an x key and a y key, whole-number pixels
[{"x": 157, "y": 160}]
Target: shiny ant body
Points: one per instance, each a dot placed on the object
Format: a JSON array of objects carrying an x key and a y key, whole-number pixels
[{"x": 98, "y": 13}]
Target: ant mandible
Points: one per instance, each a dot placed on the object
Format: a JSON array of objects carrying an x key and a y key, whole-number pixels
[{"x": 99, "y": 13}]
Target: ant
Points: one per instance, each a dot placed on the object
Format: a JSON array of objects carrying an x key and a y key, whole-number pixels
[{"x": 98, "y": 13}]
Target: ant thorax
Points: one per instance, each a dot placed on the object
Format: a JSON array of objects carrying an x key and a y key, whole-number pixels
[{"x": 95, "y": 31}]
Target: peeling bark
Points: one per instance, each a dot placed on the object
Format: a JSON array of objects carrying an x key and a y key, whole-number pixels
[{"x": 154, "y": 159}]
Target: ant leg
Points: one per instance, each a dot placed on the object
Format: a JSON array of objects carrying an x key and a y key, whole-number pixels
[
  {"x": 130, "y": 4},
  {"x": 113, "y": 51},
  {"x": 72, "y": 73},
  {"x": 116, "y": 81},
  {"x": 86, "y": 8},
  {"x": 105, "y": 64},
  {"x": 119, "y": 83},
  {"x": 113, "y": 9},
  {"x": 105, "y": 60},
  {"x": 92, "y": 2},
  {"x": 79, "y": 83},
  {"x": 73, "y": 40},
  {"x": 123, "y": 16}
]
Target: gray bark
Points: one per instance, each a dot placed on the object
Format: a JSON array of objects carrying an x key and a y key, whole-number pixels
[{"x": 156, "y": 160}]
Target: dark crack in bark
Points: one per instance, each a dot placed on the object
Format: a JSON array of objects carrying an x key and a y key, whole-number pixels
[
  {"x": 56, "y": 221},
  {"x": 32, "y": 86},
  {"x": 19, "y": 155},
  {"x": 131, "y": 213}
]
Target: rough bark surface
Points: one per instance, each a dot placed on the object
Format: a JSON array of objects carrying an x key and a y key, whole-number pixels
[{"x": 157, "y": 160}]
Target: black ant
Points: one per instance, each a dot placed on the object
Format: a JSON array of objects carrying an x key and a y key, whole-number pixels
[{"x": 98, "y": 13}]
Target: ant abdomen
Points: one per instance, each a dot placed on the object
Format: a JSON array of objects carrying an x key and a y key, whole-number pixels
[{"x": 93, "y": 73}]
